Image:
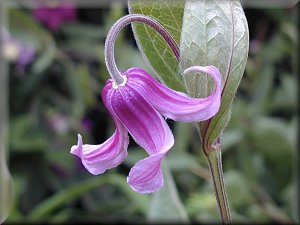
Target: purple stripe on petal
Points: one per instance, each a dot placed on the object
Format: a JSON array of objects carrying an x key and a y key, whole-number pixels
[
  {"x": 149, "y": 130},
  {"x": 146, "y": 176},
  {"x": 176, "y": 105},
  {"x": 144, "y": 123}
]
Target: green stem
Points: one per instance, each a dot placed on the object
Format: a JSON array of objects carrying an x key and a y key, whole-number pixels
[
  {"x": 6, "y": 188},
  {"x": 215, "y": 164}
]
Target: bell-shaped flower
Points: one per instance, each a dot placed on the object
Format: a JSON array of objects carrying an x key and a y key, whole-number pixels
[{"x": 138, "y": 104}]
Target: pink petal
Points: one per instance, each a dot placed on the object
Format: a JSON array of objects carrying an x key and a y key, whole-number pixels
[
  {"x": 147, "y": 127},
  {"x": 146, "y": 176},
  {"x": 176, "y": 105},
  {"x": 98, "y": 158},
  {"x": 144, "y": 123}
]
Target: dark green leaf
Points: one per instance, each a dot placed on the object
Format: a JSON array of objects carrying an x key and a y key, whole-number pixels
[
  {"x": 25, "y": 135},
  {"x": 154, "y": 49}
]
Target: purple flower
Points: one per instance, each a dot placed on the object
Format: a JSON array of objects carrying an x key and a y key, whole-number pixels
[
  {"x": 26, "y": 53},
  {"x": 53, "y": 16},
  {"x": 138, "y": 106},
  {"x": 58, "y": 122},
  {"x": 17, "y": 50}
]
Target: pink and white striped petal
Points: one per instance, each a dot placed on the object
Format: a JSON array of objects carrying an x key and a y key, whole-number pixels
[
  {"x": 99, "y": 158},
  {"x": 147, "y": 127},
  {"x": 146, "y": 175}
]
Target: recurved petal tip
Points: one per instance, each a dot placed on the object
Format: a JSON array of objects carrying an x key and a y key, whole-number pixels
[
  {"x": 211, "y": 70},
  {"x": 176, "y": 105},
  {"x": 99, "y": 158},
  {"x": 77, "y": 149}
]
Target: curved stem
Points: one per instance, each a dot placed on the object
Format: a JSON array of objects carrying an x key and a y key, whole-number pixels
[
  {"x": 112, "y": 36},
  {"x": 215, "y": 164}
]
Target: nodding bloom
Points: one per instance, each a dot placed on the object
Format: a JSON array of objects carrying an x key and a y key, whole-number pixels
[
  {"x": 138, "y": 104},
  {"x": 53, "y": 15}
]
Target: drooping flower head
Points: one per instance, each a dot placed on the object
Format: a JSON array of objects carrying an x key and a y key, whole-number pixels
[
  {"x": 138, "y": 104},
  {"x": 54, "y": 14}
]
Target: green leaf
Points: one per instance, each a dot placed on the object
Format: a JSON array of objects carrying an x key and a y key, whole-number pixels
[
  {"x": 152, "y": 46},
  {"x": 26, "y": 135},
  {"x": 214, "y": 33},
  {"x": 86, "y": 49},
  {"x": 64, "y": 196},
  {"x": 165, "y": 205},
  {"x": 45, "y": 208},
  {"x": 83, "y": 30},
  {"x": 238, "y": 189}
]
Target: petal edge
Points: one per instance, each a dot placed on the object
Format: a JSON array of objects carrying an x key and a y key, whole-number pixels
[{"x": 146, "y": 175}]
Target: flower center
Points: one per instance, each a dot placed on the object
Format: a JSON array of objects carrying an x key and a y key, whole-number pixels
[{"x": 116, "y": 86}]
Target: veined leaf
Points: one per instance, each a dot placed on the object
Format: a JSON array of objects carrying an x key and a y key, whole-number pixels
[
  {"x": 152, "y": 46},
  {"x": 214, "y": 33}
]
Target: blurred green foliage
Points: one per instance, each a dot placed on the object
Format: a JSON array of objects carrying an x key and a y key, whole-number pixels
[{"x": 58, "y": 96}]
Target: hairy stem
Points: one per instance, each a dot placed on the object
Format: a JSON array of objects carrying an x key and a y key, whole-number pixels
[
  {"x": 215, "y": 164},
  {"x": 112, "y": 36}
]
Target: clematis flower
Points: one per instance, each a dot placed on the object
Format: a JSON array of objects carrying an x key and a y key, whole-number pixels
[
  {"x": 54, "y": 15},
  {"x": 138, "y": 104}
]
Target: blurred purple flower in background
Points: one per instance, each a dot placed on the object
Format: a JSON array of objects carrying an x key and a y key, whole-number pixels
[
  {"x": 17, "y": 50},
  {"x": 54, "y": 15},
  {"x": 58, "y": 122}
]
